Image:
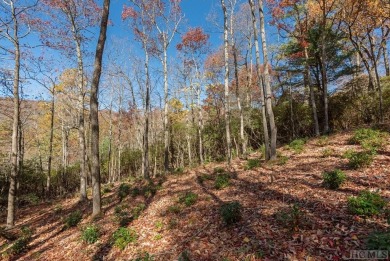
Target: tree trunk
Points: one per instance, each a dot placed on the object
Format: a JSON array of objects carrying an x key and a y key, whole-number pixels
[
  {"x": 312, "y": 96},
  {"x": 267, "y": 80},
  {"x": 261, "y": 87},
  {"x": 166, "y": 129},
  {"x": 145, "y": 156},
  {"x": 323, "y": 71},
  {"x": 15, "y": 126},
  {"x": 94, "y": 115},
  {"x": 227, "y": 100},
  {"x": 385, "y": 55},
  {"x": 52, "y": 110}
]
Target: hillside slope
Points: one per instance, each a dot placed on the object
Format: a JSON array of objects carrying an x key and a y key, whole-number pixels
[{"x": 319, "y": 227}]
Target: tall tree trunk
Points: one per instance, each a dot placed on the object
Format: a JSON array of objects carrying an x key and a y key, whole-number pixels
[
  {"x": 377, "y": 78},
  {"x": 235, "y": 60},
  {"x": 166, "y": 129},
  {"x": 312, "y": 95},
  {"x": 52, "y": 110},
  {"x": 260, "y": 82},
  {"x": 323, "y": 71},
  {"x": 94, "y": 115},
  {"x": 145, "y": 156},
  {"x": 385, "y": 55},
  {"x": 110, "y": 169},
  {"x": 81, "y": 121},
  {"x": 200, "y": 126},
  {"x": 267, "y": 81},
  {"x": 15, "y": 125},
  {"x": 227, "y": 100}
]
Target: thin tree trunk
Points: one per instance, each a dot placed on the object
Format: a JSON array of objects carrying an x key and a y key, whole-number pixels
[
  {"x": 145, "y": 156},
  {"x": 323, "y": 71},
  {"x": 385, "y": 55},
  {"x": 312, "y": 96},
  {"x": 166, "y": 129},
  {"x": 267, "y": 80},
  {"x": 257, "y": 52},
  {"x": 15, "y": 125},
  {"x": 227, "y": 100},
  {"x": 52, "y": 110},
  {"x": 200, "y": 127},
  {"x": 94, "y": 115},
  {"x": 110, "y": 175}
]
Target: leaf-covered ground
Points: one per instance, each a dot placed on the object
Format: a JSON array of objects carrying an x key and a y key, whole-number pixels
[{"x": 324, "y": 230}]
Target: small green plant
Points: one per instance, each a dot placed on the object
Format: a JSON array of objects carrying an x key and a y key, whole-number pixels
[
  {"x": 366, "y": 204},
  {"x": 58, "y": 209},
  {"x": 252, "y": 163},
  {"x": 124, "y": 191},
  {"x": 360, "y": 159},
  {"x": 262, "y": 150},
  {"x": 323, "y": 140},
  {"x": 189, "y": 198},
  {"x": 137, "y": 210},
  {"x": 379, "y": 241},
  {"x": 219, "y": 170},
  {"x": 297, "y": 145},
  {"x": 369, "y": 139},
  {"x": 73, "y": 219},
  {"x": 21, "y": 243},
  {"x": 106, "y": 189},
  {"x": 178, "y": 171},
  {"x": 124, "y": 236},
  {"x": 334, "y": 179},
  {"x": 90, "y": 234},
  {"x": 328, "y": 152},
  {"x": 231, "y": 212},
  {"x": 135, "y": 192},
  {"x": 159, "y": 224},
  {"x": 202, "y": 178},
  {"x": 291, "y": 217},
  {"x": 157, "y": 237},
  {"x": 174, "y": 209},
  {"x": 222, "y": 181}
]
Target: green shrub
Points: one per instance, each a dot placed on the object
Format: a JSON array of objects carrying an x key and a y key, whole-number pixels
[
  {"x": 297, "y": 145},
  {"x": 135, "y": 192},
  {"x": 137, "y": 210},
  {"x": 29, "y": 199},
  {"x": 159, "y": 224},
  {"x": 106, "y": 190},
  {"x": 328, "y": 152},
  {"x": 90, "y": 234},
  {"x": 179, "y": 170},
  {"x": 123, "y": 236},
  {"x": 157, "y": 237},
  {"x": 73, "y": 219},
  {"x": 379, "y": 241},
  {"x": 291, "y": 217},
  {"x": 334, "y": 179},
  {"x": 204, "y": 177},
  {"x": 366, "y": 204},
  {"x": 174, "y": 209},
  {"x": 360, "y": 159},
  {"x": 219, "y": 170},
  {"x": 231, "y": 212},
  {"x": 124, "y": 191},
  {"x": 222, "y": 181},
  {"x": 369, "y": 139},
  {"x": 252, "y": 163},
  {"x": 21, "y": 243},
  {"x": 323, "y": 140},
  {"x": 189, "y": 198}
]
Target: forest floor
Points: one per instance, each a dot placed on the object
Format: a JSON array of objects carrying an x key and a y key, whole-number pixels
[{"x": 324, "y": 230}]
